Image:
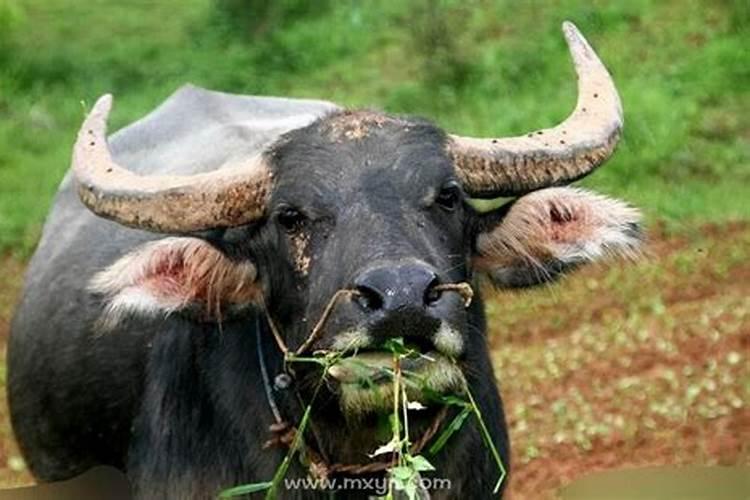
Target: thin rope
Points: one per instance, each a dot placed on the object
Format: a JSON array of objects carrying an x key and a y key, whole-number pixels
[
  {"x": 463, "y": 289},
  {"x": 318, "y": 329},
  {"x": 276, "y": 335},
  {"x": 264, "y": 374}
]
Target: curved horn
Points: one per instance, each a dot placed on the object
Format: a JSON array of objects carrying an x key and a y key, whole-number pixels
[
  {"x": 227, "y": 197},
  {"x": 516, "y": 165}
]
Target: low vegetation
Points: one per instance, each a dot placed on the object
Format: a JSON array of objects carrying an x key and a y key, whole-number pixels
[{"x": 631, "y": 366}]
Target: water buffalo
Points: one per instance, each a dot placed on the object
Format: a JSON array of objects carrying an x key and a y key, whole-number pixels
[{"x": 184, "y": 254}]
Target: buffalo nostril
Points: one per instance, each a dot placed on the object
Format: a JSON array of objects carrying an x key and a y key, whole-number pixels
[
  {"x": 368, "y": 299},
  {"x": 396, "y": 287},
  {"x": 432, "y": 294}
]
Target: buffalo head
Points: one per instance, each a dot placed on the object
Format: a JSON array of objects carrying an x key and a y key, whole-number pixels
[{"x": 378, "y": 206}]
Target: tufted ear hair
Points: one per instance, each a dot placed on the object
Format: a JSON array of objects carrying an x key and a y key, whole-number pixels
[
  {"x": 542, "y": 235},
  {"x": 175, "y": 274}
]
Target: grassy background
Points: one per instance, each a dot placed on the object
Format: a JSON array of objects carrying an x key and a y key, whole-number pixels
[{"x": 476, "y": 67}]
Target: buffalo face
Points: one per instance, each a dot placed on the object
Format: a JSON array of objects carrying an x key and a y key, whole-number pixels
[{"x": 370, "y": 204}]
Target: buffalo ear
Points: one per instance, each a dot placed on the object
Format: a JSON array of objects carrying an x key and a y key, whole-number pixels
[
  {"x": 174, "y": 275},
  {"x": 540, "y": 236}
]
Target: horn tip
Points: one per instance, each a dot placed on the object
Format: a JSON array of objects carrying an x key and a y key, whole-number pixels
[
  {"x": 579, "y": 47},
  {"x": 572, "y": 33},
  {"x": 97, "y": 117},
  {"x": 103, "y": 104},
  {"x": 569, "y": 26}
]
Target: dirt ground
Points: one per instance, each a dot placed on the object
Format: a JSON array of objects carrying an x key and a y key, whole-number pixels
[
  {"x": 626, "y": 365},
  {"x": 629, "y": 366}
]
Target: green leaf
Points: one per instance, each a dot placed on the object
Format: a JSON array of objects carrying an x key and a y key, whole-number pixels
[
  {"x": 453, "y": 427},
  {"x": 390, "y": 447},
  {"x": 396, "y": 346},
  {"x": 455, "y": 401},
  {"x": 448, "y": 399},
  {"x": 411, "y": 490},
  {"x": 402, "y": 473},
  {"x": 245, "y": 489},
  {"x": 415, "y": 405},
  {"x": 420, "y": 463}
]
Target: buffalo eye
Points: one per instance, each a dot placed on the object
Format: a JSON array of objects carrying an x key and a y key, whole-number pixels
[
  {"x": 449, "y": 196},
  {"x": 290, "y": 218}
]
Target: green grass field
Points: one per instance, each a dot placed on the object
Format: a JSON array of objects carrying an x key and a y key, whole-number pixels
[{"x": 478, "y": 67}]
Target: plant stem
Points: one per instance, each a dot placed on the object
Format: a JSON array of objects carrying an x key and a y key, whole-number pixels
[
  {"x": 282, "y": 470},
  {"x": 396, "y": 425},
  {"x": 488, "y": 440},
  {"x": 404, "y": 407}
]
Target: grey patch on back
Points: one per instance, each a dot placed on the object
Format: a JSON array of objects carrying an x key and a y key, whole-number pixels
[{"x": 197, "y": 130}]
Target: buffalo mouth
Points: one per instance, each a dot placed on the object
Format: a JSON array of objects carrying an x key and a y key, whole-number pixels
[{"x": 364, "y": 380}]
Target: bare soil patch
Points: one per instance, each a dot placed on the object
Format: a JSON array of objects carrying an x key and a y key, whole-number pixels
[{"x": 634, "y": 365}]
